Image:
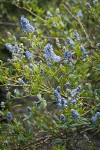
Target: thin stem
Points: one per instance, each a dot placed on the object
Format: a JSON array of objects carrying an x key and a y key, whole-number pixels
[
  {"x": 24, "y": 8},
  {"x": 8, "y": 24},
  {"x": 33, "y": 14},
  {"x": 80, "y": 23}
]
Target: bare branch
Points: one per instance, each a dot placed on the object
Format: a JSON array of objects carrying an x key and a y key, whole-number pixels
[{"x": 8, "y": 24}]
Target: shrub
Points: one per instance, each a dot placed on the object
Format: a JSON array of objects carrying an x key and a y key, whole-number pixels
[{"x": 55, "y": 63}]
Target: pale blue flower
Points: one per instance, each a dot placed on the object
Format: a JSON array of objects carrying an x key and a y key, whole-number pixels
[
  {"x": 79, "y": 14},
  {"x": 70, "y": 41},
  {"x": 9, "y": 47},
  {"x": 49, "y": 14},
  {"x": 74, "y": 113},
  {"x": 50, "y": 55},
  {"x": 26, "y": 25},
  {"x": 74, "y": 102},
  {"x": 29, "y": 55},
  {"x": 9, "y": 116},
  {"x": 95, "y": 117},
  {"x": 68, "y": 56},
  {"x": 21, "y": 81},
  {"x": 84, "y": 53}
]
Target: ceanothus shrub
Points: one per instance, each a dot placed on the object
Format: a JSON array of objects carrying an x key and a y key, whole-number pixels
[{"x": 54, "y": 62}]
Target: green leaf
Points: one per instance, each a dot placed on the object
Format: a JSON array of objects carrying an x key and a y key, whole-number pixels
[{"x": 56, "y": 141}]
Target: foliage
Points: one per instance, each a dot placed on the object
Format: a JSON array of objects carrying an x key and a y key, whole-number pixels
[{"x": 52, "y": 58}]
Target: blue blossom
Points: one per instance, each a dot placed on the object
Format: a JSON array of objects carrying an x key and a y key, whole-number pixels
[
  {"x": 78, "y": 88},
  {"x": 21, "y": 81},
  {"x": 84, "y": 53},
  {"x": 49, "y": 63},
  {"x": 68, "y": 84},
  {"x": 50, "y": 55},
  {"x": 24, "y": 21},
  {"x": 61, "y": 101},
  {"x": 95, "y": 117},
  {"x": 70, "y": 42},
  {"x": 76, "y": 35},
  {"x": 62, "y": 118},
  {"x": 76, "y": 91},
  {"x": 26, "y": 25},
  {"x": 64, "y": 102},
  {"x": 74, "y": 113},
  {"x": 68, "y": 56},
  {"x": 79, "y": 14},
  {"x": 14, "y": 49},
  {"x": 9, "y": 47},
  {"x": 9, "y": 116},
  {"x": 28, "y": 55},
  {"x": 41, "y": 71},
  {"x": 28, "y": 109},
  {"x": 98, "y": 115},
  {"x": 49, "y": 14},
  {"x": 74, "y": 102},
  {"x": 58, "y": 89},
  {"x": 57, "y": 96},
  {"x": 82, "y": 48},
  {"x": 56, "y": 58}
]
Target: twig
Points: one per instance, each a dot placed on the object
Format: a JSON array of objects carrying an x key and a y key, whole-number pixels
[
  {"x": 40, "y": 140},
  {"x": 33, "y": 14},
  {"x": 80, "y": 23},
  {"x": 8, "y": 24},
  {"x": 23, "y": 8}
]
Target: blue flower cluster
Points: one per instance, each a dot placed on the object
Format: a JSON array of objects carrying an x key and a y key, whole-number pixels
[
  {"x": 21, "y": 82},
  {"x": 74, "y": 113},
  {"x": 84, "y": 53},
  {"x": 76, "y": 35},
  {"x": 26, "y": 25},
  {"x": 62, "y": 118},
  {"x": 61, "y": 101},
  {"x": 68, "y": 84},
  {"x": 9, "y": 116},
  {"x": 49, "y": 14},
  {"x": 70, "y": 42},
  {"x": 14, "y": 49},
  {"x": 95, "y": 117},
  {"x": 71, "y": 67},
  {"x": 75, "y": 92},
  {"x": 68, "y": 56},
  {"x": 29, "y": 55},
  {"x": 74, "y": 101},
  {"x": 50, "y": 55},
  {"x": 79, "y": 14},
  {"x": 28, "y": 109},
  {"x": 9, "y": 47}
]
